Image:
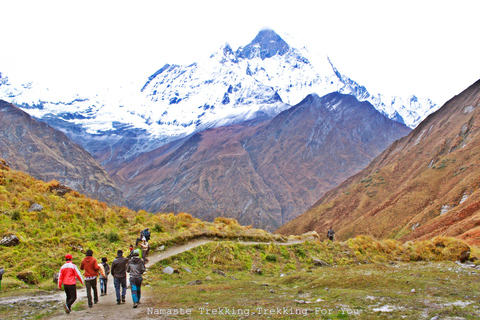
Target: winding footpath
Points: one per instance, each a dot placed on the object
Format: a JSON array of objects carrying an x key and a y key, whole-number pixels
[{"x": 107, "y": 307}]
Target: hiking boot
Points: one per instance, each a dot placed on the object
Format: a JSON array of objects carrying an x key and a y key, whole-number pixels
[
  {"x": 119, "y": 302},
  {"x": 135, "y": 304},
  {"x": 123, "y": 299},
  {"x": 67, "y": 309}
]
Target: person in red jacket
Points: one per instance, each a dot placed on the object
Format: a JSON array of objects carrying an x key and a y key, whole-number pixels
[
  {"x": 91, "y": 267},
  {"x": 68, "y": 276}
]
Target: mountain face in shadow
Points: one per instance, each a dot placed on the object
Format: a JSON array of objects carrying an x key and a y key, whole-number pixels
[
  {"x": 424, "y": 185},
  {"x": 263, "y": 172},
  {"x": 47, "y": 154}
]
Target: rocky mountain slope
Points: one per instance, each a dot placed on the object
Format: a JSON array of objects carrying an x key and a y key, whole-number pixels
[
  {"x": 262, "y": 78},
  {"x": 425, "y": 184},
  {"x": 47, "y": 154},
  {"x": 262, "y": 172}
]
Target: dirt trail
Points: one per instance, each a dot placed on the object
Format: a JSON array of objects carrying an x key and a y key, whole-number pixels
[{"x": 107, "y": 307}]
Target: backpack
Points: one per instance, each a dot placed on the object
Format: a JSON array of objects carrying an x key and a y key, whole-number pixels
[
  {"x": 106, "y": 267},
  {"x": 146, "y": 234}
]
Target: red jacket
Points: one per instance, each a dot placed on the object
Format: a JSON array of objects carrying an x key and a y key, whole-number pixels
[
  {"x": 90, "y": 265},
  {"x": 69, "y": 274}
]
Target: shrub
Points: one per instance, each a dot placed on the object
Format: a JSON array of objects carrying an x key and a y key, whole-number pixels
[
  {"x": 16, "y": 215},
  {"x": 158, "y": 228},
  {"x": 112, "y": 236},
  {"x": 271, "y": 258}
]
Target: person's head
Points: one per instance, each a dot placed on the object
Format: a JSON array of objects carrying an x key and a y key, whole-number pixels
[
  {"x": 68, "y": 257},
  {"x": 119, "y": 253},
  {"x": 89, "y": 253},
  {"x": 136, "y": 253},
  {"x": 104, "y": 259},
  {"x": 331, "y": 227}
]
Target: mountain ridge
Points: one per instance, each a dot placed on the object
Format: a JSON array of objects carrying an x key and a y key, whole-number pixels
[
  {"x": 423, "y": 185},
  {"x": 261, "y": 172},
  {"x": 47, "y": 154},
  {"x": 263, "y": 78}
]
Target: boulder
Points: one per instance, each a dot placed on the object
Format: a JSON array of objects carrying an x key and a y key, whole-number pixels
[
  {"x": 35, "y": 207},
  {"x": 220, "y": 272},
  {"x": 10, "y": 241},
  {"x": 319, "y": 263},
  {"x": 55, "y": 277},
  {"x": 464, "y": 256},
  {"x": 256, "y": 270},
  {"x": 194, "y": 283},
  {"x": 168, "y": 270},
  {"x": 28, "y": 277}
]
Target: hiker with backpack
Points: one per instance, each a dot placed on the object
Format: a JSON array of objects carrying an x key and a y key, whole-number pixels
[
  {"x": 2, "y": 271},
  {"x": 104, "y": 277},
  {"x": 331, "y": 234},
  {"x": 68, "y": 276},
  {"x": 136, "y": 268},
  {"x": 145, "y": 248}
]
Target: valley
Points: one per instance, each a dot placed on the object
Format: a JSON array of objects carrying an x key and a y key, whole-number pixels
[{"x": 239, "y": 163}]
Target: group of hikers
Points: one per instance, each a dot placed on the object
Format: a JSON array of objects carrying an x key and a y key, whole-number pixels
[{"x": 132, "y": 264}]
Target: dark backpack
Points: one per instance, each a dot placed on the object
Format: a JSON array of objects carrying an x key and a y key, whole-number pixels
[
  {"x": 146, "y": 234},
  {"x": 106, "y": 267}
]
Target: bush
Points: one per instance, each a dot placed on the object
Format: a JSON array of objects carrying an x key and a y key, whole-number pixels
[
  {"x": 158, "y": 228},
  {"x": 16, "y": 215},
  {"x": 112, "y": 236},
  {"x": 271, "y": 258}
]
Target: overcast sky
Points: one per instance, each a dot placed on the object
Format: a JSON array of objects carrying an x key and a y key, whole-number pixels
[{"x": 427, "y": 48}]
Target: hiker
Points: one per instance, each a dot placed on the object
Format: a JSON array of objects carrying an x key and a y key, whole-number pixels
[
  {"x": 145, "y": 233},
  {"x": 91, "y": 268},
  {"x": 331, "y": 234},
  {"x": 130, "y": 255},
  {"x": 136, "y": 268},
  {"x": 68, "y": 276},
  {"x": 119, "y": 273},
  {"x": 2, "y": 271},
  {"x": 145, "y": 248},
  {"x": 104, "y": 277}
]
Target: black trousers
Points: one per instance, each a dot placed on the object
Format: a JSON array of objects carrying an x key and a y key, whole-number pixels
[
  {"x": 91, "y": 284},
  {"x": 71, "y": 292}
]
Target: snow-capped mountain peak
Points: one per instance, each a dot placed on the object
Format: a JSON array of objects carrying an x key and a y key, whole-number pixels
[{"x": 262, "y": 78}]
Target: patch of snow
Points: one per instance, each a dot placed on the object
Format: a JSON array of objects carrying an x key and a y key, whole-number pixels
[{"x": 445, "y": 209}]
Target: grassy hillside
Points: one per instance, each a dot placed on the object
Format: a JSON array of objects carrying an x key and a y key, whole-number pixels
[
  {"x": 73, "y": 223},
  {"x": 360, "y": 277}
]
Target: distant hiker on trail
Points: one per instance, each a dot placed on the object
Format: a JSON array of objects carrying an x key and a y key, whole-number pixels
[
  {"x": 2, "y": 271},
  {"x": 130, "y": 255},
  {"x": 145, "y": 248},
  {"x": 143, "y": 234},
  {"x": 104, "y": 277},
  {"x": 119, "y": 273},
  {"x": 136, "y": 268},
  {"x": 91, "y": 267},
  {"x": 331, "y": 234},
  {"x": 68, "y": 276}
]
